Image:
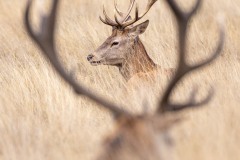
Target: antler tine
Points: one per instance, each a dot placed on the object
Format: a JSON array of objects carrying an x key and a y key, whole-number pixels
[
  {"x": 149, "y": 5},
  {"x": 137, "y": 17},
  {"x": 104, "y": 21},
  {"x": 181, "y": 14},
  {"x": 122, "y": 15},
  {"x": 183, "y": 68},
  {"x": 46, "y": 44},
  {"x": 47, "y": 27},
  {"x": 116, "y": 19},
  {"x": 191, "y": 102},
  {"x": 108, "y": 20},
  {"x": 117, "y": 23},
  {"x": 132, "y": 2},
  {"x": 124, "y": 22},
  {"x": 117, "y": 10}
]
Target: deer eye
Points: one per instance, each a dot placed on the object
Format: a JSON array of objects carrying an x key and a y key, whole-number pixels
[{"x": 114, "y": 44}]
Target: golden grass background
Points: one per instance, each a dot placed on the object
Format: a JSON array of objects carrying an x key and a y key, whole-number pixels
[{"x": 41, "y": 117}]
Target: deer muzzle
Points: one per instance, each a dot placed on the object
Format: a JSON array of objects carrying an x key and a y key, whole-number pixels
[{"x": 92, "y": 59}]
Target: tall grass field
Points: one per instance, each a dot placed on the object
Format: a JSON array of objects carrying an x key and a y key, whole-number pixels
[{"x": 41, "y": 118}]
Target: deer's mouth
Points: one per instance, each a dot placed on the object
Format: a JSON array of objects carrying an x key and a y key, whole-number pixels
[
  {"x": 104, "y": 62},
  {"x": 95, "y": 63}
]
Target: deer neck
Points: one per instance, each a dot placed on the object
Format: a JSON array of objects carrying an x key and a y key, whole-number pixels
[{"x": 137, "y": 61}]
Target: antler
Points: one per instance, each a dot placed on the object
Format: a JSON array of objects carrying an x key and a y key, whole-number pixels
[
  {"x": 117, "y": 22},
  {"x": 125, "y": 16},
  {"x": 183, "y": 68},
  {"x": 124, "y": 22},
  {"x": 45, "y": 40},
  {"x": 137, "y": 17}
]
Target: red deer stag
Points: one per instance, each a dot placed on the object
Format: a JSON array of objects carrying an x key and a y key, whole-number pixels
[
  {"x": 137, "y": 137},
  {"x": 124, "y": 48}
]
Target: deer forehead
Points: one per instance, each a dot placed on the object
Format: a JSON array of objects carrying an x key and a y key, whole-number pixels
[
  {"x": 131, "y": 131},
  {"x": 146, "y": 124},
  {"x": 134, "y": 126},
  {"x": 120, "y": 33},
  {"x": 117, "y": 36}
]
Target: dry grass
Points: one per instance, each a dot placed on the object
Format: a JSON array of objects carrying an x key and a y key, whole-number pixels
[{"x": 41, "y": 118}]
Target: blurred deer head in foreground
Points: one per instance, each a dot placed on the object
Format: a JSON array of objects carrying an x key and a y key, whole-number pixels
[
  {"x": 123, "y": 48},
  {"x": 136, "y": 137}
]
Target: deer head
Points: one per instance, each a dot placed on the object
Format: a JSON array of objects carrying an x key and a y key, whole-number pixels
[
  {"x": 124, "y": 44},
  {"x": 135, "y": 137}
]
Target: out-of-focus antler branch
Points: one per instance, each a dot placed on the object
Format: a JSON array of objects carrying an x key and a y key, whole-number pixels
[
  {"x": 45, "y": 40},
  {"x": 183, "y": 68}
]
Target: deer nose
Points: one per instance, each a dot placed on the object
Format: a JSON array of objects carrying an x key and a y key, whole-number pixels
[{"x": 89, "y": 57}]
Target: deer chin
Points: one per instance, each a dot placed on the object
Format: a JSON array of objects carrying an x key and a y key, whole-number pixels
[{"x": 112, "y": 62}]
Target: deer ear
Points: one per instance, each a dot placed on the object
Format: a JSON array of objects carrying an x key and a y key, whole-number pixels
[{"x": 139, "y": 29}]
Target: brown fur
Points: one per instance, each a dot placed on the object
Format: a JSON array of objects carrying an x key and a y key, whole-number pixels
[
  {"x": 137, "y": 61},
  {"x": 129, "y": 54},
  {"x": 136, "y": 137},
  {"x": 145, "y": 136}
]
